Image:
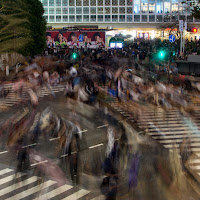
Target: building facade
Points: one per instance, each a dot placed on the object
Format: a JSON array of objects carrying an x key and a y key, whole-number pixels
[{"x": 140, "y": 15}]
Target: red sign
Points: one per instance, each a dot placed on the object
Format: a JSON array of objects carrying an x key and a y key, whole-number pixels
[{"x": 71, "y": 39}]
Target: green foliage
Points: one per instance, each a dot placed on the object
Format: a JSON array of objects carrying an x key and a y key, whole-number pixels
[{"x": 22, "y": 27}]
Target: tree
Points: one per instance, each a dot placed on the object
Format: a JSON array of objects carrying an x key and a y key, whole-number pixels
[
  {"x": 22, "y": 27},
  {"x": 37, "y": 27},
  {"x": 194, "y": 7}
]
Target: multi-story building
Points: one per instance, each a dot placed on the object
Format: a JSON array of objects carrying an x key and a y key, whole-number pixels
[{"x": 142, "y": 18}]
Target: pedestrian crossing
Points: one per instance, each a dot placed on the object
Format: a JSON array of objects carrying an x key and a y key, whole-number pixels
[
  {"x": 171, "y": 128},
  {"x": 13, "y": 99},
  {"x": 15, "y": 186}
]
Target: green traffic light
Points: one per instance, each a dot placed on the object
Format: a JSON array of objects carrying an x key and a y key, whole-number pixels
[
  {"x": 161, "y": 54},
  {"x": 74, "y": 55}
]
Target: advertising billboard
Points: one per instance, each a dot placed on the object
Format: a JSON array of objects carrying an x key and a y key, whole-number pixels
[{"x": 78, "y": 39}]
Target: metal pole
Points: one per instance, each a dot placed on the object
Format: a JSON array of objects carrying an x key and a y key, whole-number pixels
[{"x": 181, "y": 45}]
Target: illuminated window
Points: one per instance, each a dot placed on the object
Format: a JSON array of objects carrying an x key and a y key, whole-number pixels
[
  {"x": 86, "y": 3},
  {"x": 122, "y": 2},
  {"x": 107, "y": 2},
  {"x": 159, "y": 6},
  {"x": 65, "y": 10},
  {"x": 137, "y": 6},
  {"x": 65, "y": 18},
  {"x": 107, "y": 10},
  {"x": 115, "y": 2},
  {"x": 79, "y": 18},
  {"x": 167, "y": 5},
  {"x": 100, "y": 2},
  {"x": 78, "y": 10},
  {"x": 151, "y": 6},
  {"x": 114, "y": 10},
  {"x": 78, "y": 2},
  {"x": 122, "y": 10},
  {"x": 85, "y": 10},
  {"x": 64, "y": 2},
  {"x": 58, "y": 10},
  {"x": 71, "y": 3},
  {"x": 93, "y": 10},
  {"x": 58, "y": 2},
  {"x": 100, "y": 10},
  {"x": 144, "y": 6},
  {"x": 92, "y": 2},
  {"x": 129, "y": 10},
  {"x": 93, "y": 18}
]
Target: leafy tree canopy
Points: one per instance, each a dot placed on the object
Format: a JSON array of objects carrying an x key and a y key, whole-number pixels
[{"x": 22, "y": 27}]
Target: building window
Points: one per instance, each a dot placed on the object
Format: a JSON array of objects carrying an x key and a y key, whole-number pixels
[
  {"x": 85, "y": 10},
  {"x": 129, "y": 18},
  {"x": 45, "y": 2},
  {"x": 100, "y": 10},
  {"x": 174, "y": 18},
  {"x": 79, "y": 18},
  {"x": 51, "y": 2},
  {"x": 115, "y": 2},
  {"x": 86, "y": 18},
  {"x": 71, "y": 3},
  {"x": 189, "y": 19},
  {"x": 129, "y": 10},
  {"x": 78, "y": 10},
  {"x": 174, "y": 7},
  {"x": 71, "y": 10},
  {"x": 86, "y": 3},
  {"x": 137, "y": 6},
  {"x": 107, "y": 18},
  {"x": 159, "y": 6},
  {"x": 92, "y": 2},
  {"x": 144, "y": 18},
  {"x": 58, "y": 2},
  {"x": 144, "y": 6},
  {"x": 121, "y": 10},
  {"x": 100, "y": 18},
  {"x": 122, "y": 18},
  {"x": 65, "y": 18},
  {"x": 114, "y": 18},
  {"x": 93, "y": 10},
  {"x": 129, "y": 2},
  {"x": 51, "y": 10},
  {"x": 122, "y": 2},
  {"x": 151, "y": 18},
  {"x": 166, "y": 18},
  {"x": 115, "y": 10},
  {"x": 71, "y": 18},
  {"x": 93, "y": 18},
  {"x": 100, "y": 2},
  {"x": 46, "y": 18},
  {"x": 151, "y": 6},
  {"x": 107, "y": 2},
  {"x": 136, "y": 18},
  {"x": 78, "y": 2},
  {"x": 107, "y": 10},
  {"x": 65, "y": 11},
  {"x": 58, "y": 18},
  {"x": 182, "y": 17},
  {"x": 64, "y": 2},
  {"x": 167, "y": 5},
  {"x": 159, "y": 18},
  {"x": 51, "y": 18},
  {"x": 46, "y": 11},
  {"x": 58, "y": 10}
]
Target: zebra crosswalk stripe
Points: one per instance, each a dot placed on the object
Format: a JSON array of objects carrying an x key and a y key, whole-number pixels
[
  {"x": 32, "y": 190},
  {"x": 54, "y": 192},
  {"x": 18, "y": 185},
  {"x": 22, "y": 186},
  {"x": 77, "y": 195}
]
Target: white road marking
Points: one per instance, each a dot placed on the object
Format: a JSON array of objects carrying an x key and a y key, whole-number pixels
[
  {"x": 95, "y": 146},
  {"x": 77, "y": 195},
  {"x": 103, "y": 126},
  {"x": 38, "y": 163}
]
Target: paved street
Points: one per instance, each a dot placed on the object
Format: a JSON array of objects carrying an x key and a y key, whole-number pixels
[{"x": 166, "y": 182}]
